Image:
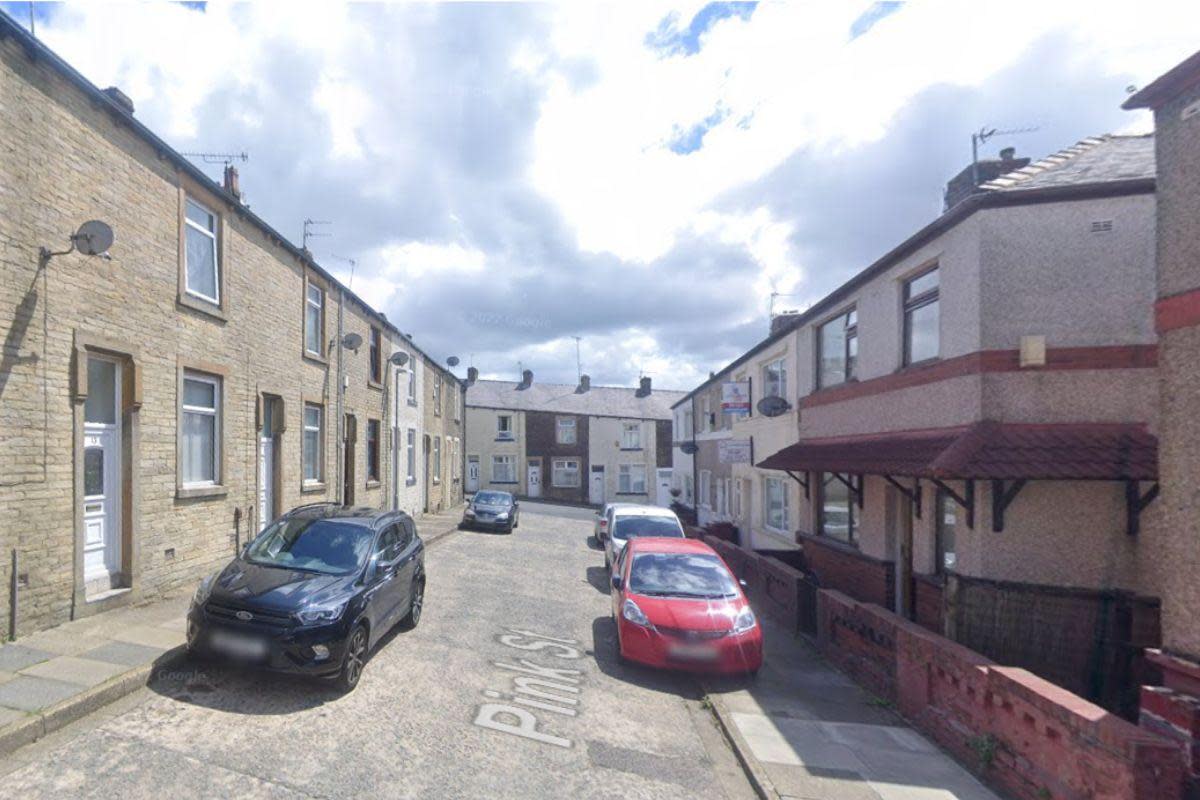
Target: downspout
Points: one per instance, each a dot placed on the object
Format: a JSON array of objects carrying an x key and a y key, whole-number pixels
[{"x": 341, "y": 386}]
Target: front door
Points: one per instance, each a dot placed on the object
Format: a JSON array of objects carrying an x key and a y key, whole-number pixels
[
  {"x": 664, "y": 487},
  {"x": 472, "y": 473},
  {"x": 596, "y": 487},
  {"x": 905, "y": 600},
  {"x": 534, "y": 487},
  {"x": 266, "y": 464},
  {"x": 102, "y": 482},
  {"x": 351, "y": 433}
]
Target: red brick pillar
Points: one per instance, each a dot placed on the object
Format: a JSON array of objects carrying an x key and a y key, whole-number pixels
[{"x": 1173, "y": 712}]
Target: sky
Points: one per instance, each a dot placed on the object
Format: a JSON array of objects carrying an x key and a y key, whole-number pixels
[{"x": 643, "y": 176}]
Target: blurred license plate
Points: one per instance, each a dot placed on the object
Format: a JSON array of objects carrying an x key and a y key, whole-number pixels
[
  {"x": 238, "y": 645},
  {"x": 693, "y": 652}
]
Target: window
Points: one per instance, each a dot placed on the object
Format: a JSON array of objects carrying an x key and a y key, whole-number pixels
[
  {"x": 921, "y": 317},
  {"x": 631, "y": 479},
  {"x": 373, "y": 450},
  {"x": 412, "y": 382},
  {"x": 947, "y": 524},
  {"x": 705, "y": 488},
  {"x": 504, "y": 430},
  {"x": 437, "y": 459},
  {"x": 202, "y": 269},
  {"x": 775, "y": 379},
  {"x": 631, "y": 436},
  {"x": 687, "y": 424},
  {"x": 565, "y": 430},
  {"x": 201, "y": 435},
  {"x": 838, "y": 517},
  {"x": 412, "y": 456},
  {"x": 689, "y": 490},
  {"x": 437, "y": 395},
  {"x": 504, "y": 469},
  {"x": 775, "y": 504},
  {"x": 838, "y": 343},
  {"x": 313, "y": 443},
  {"x": 706, "y": 424},
  {"x": 565, "y": 472},
  {"x": 376, "y": 354},
  {"x": 314, "y": 319},
  {"x": 455, "y": 461},
  {"x": 722, "y": 496},
  {"x": 458, "y": 395}
]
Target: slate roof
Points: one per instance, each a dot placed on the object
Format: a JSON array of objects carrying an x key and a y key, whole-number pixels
[
  {"x": 1097, "y": 159},
  {"x": 985, "y": 450},
  {"x": 600, "y": 401}
]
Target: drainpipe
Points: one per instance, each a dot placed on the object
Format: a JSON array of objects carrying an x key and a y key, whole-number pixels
[{"x": 341, "y": 388}]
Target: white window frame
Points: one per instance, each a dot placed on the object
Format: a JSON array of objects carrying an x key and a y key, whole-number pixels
[
  {"x": 502, "y": 434},
  {"x": 437, "y": 459},
  {"x": 561, "y": 426},
  {"x": 215, "y": 412},
  {"x": 559, "y": 464},
  {"x": 319, "y": 428},
  {"x": 779, "y": 367},
  {"x": 437, "y": 395},
  {"x": 769, "y": 522},
  {"x": 411, "y": 455},
  {"x": 506, "y": 461},
  {"x": 705, "y": 489},
  {"x": 216, "y": 250},
  {"x": 412, "y": 381},
  {"x": 319, "y": 305},
  {"x": 625, "y": 479},
  {"x": 722, "y": 497},
  {"x": 631, "y": 436}
]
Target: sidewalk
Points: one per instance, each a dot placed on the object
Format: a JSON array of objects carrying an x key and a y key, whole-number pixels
[
  {"x": 54, "y": 677},
  {"x": 805, "y": 730}
]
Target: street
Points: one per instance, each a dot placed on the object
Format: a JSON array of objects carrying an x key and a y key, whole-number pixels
[{"x": 508, "y": 688}]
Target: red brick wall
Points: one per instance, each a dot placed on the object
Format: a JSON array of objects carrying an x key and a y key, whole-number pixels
[
  {"x": 843, "y": 568},
  {"x": 927, "y": 596},
  {"x": 860, "y": 638}
]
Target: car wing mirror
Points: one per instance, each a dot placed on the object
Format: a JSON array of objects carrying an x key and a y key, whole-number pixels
[
  {"x": 617, "y": 582},
  {"x": 742, "y": 583}
]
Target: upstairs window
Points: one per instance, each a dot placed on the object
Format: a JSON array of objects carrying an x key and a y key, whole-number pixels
[
  {"x": 775, "y": 379},
  {"x": 412, "y": 382},
  {"x": 437, "y": 395},
  {"x": 504, "y": 428},
  {"x": 921, "y": 336},
  {"x": 314, "y": 319},
  {"x": 203, "y": 274},
  {"x": 687, "y": 424},
  {"x": 375, "y": 365},
  {"x": 631, "y": 435},
  {"x": 838, "y": 341},
  {"x": 565, "y": 430},
  {"x": 373, "y": 450}
]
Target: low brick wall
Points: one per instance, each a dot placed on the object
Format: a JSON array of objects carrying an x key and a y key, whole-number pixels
[
  {"x": 775, "y": 588},
  {"x": 841, "y": 567},
  {"x": 927, "y": 597},
  {"x": 860, "y": 638}
]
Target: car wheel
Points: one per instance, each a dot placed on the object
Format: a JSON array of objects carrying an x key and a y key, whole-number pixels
[
  {"x": 516, "y": 521},
  {"x": 417, "y": 606},
  {"x": 621, "y": 659},
  {"x": 607, "y": 563},
  {"x": 354, "y": 660}
]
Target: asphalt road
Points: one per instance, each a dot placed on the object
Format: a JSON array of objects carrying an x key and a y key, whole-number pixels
[{"x": 508, "y": 689}]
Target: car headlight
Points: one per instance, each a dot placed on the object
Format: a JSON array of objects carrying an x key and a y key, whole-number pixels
[
  {"x": 744, "y": 621},
  {"x": 502, "y": 515},
  {"x": 203, "y": 590},
  {"x": 631, "y": 612},
  {"x": 328, "y": 613}
]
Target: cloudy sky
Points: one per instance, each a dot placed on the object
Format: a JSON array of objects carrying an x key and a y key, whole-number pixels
[{"x": 644, "y": 176}]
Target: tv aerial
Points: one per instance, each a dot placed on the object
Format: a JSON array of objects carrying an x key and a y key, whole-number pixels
[{"x": 219, "y": 158}]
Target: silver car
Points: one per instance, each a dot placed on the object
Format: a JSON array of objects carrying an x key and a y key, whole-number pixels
[
  {"x": 627, "y": 522},
  {"x": 600, "y": 526}
]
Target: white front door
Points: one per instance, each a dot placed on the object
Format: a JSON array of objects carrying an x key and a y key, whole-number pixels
[
  {"x": 472, "y": 473},
  {"x": 534, "y": 488},
  {"x": 596, "y": 488},
  {"x": 266, "y": 480},
  {"x": 664, "y": 487},
  {"x": 102, "y": 484}
]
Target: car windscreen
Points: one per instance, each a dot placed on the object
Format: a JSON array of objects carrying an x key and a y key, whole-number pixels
[
  {"x": 492, "y": 498},
  {"x": 328, "y": 546},
  {"x": 680, "y": 575},
  {"x": 634, "y": 527}
]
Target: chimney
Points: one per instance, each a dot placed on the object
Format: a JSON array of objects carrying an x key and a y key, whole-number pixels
[
  {"x": 526, "y": 379},
  {"x": 783, "y": 321},
  {"x": 585, "y": 383},
  {"x": 472, "y": 375},
  {"x": 967, "y": 182},
  {"x": 231, "y": 181},
  {"x": 120, "y": 98},
  {"x": 644, "y": 389}
]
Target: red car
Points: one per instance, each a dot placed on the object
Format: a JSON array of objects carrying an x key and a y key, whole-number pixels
[{"x": 678, "y": 606}]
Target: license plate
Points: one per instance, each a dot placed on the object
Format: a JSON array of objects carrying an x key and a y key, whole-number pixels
[
  {"x": 238, "y": 645},
  {"x": 692, "y": 652}
]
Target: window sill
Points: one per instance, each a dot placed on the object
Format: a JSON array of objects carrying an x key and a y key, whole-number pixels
[
  {"x": 373, "y": 384},
  {"x": 631, "y": 494},
  {"x": 198, "y": 304},
  {"x": 412, "y": 403},
  {"x": 196, "y": 492},
  {"x": 372, "y": 484},
  {"x": 561, "y": 486},
  {"x": 925, "y": 362},
  {"x": 506, "y": 440},
  {"x": 315, "y": 357},
  {"x": 410, "y": 482},
  {"x": 312, "y": 487},
  {"x": 631, "y": 449},
  {"x": 504, "y": 483}
]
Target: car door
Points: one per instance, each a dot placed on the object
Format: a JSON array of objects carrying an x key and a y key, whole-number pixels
[
  {"x": 385, "y": 591},
  {"x": 410, "y": 562}
]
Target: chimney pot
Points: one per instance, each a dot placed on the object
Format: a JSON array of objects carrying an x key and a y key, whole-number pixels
[
  {"x": 644, "y": 389},
  {"x": 526, "y": 379},
  {"x": 1008, "y": 153},
  {"x": 120, "y": 98},
  {"x": 472, "y": 375},
  {"x": 231, "y": 181},
  {"x": 585, "y": 383}
]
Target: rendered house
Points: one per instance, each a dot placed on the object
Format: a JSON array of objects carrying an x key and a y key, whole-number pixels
[{"x": 578, "y": 444}]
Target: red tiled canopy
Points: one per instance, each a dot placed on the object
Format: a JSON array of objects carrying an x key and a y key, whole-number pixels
[{"x": 986, "y": 450}]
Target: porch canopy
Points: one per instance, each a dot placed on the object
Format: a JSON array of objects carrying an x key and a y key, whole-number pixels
[{"x": 987, "y": 450}]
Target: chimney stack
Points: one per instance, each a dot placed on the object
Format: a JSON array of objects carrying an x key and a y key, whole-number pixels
[
  {"x": 644, "y": 389},
  {"x": 526, "y": 379},
  {"x": 472, "y": 375},
  {"x": 120, "y": 98},
  {"x": 231, "y": 181},
  {"x": 964, "y": 184},
  {"x": 585, "y": 383}
]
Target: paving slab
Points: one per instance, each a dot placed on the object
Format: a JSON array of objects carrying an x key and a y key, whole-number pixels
[
  {"x": 72, "y": 669},
  {"x": 804, "y": 783},
  {"x": 150, "y": 636},
  {"x": 9, "y": 715},
  {"x": 27, "y": 693},
  {"x": 66, "y": 640},
  {"x": 127, "y": 653},
  {"x": 14, "y": 657}
]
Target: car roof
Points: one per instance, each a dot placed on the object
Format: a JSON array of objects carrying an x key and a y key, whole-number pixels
[
  {"x": 638, "y": 510},
  {"x": 364, "y": 514},
  {"x": 655, "y": 544}
]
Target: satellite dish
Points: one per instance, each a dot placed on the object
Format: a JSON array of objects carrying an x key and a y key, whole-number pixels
[
  {"x": 93, "y": 238},
  {"x": 398, "y": 358},
  {"x": 452, "y": 361},
  {"x": 352, "y": 341},
  {"x": 773, "y": 406},
  {"x": 689, "y": 448}
]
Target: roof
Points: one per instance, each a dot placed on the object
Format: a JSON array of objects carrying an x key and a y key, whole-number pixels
[
  {"x": 986, "y": 450},
  {"x": 655, "y": 544},
  {"x": 36, "y": 49},
  {"x": 1168, "y": 85},
  {"x": 1100, "y": 166},
  {"x": 641, "y": 510},
  {"x": 1097, "y": 159},
  {"x": 598, "y": 401}
]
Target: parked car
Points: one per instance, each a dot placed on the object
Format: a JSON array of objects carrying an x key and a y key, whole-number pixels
[
  {"x": 629, "y": 521},
  {"x": 678, "y": 606},
  {"x": 600, "y": 529},
  {"x": 495, "y": 510},
  {"x": 313, "y": 592}
]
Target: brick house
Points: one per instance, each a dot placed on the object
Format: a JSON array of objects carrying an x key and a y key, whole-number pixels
[
  {"x": 442, "y": 475},
  {"x": 158, "y": 407},
  {"x": 577, "y": 444},
  {"x": 1174, "y": 708}
]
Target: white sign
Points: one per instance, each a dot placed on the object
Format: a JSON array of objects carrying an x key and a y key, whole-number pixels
[
  {"x": 735, "y": 397},
  {"x": 734, "y": 451}
]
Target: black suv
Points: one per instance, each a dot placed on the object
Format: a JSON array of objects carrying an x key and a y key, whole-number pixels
[{"x": 313, "y": 592}]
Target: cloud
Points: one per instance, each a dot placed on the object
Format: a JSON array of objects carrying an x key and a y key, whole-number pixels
[{"x": 644, "y": 176}]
